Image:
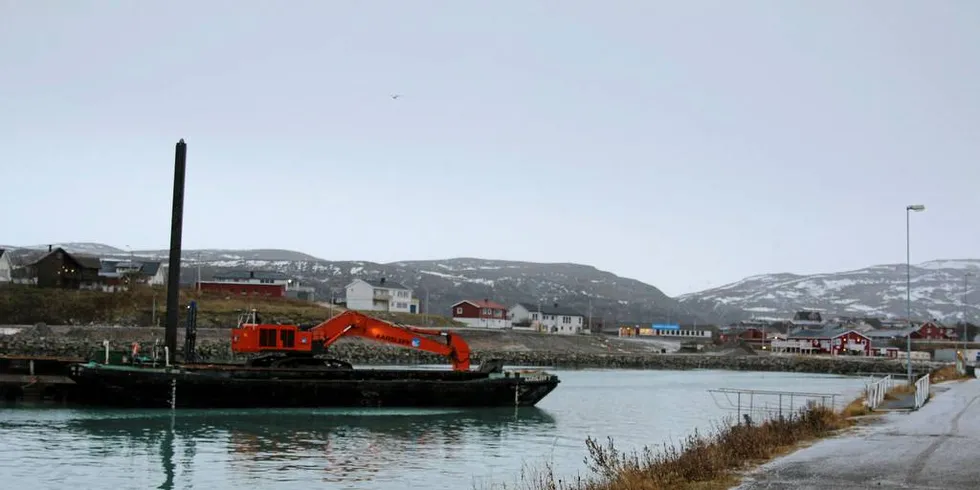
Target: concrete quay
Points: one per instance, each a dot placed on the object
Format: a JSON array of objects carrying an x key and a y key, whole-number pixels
[{"x": 936, "y": 447}]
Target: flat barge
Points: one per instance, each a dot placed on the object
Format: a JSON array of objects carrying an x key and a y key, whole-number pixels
[
  {"x": 234, "y": 386},
  {"x": 36, "y": 378}
]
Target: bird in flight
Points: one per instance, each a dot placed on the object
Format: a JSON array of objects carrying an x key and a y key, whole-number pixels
[{"x": 395, "y": 96}]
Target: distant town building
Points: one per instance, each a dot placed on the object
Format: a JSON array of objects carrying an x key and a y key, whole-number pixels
[
  {"x": 60, "y": 269},
  {"x": 305, "y": 293},
  {"x": 248, "y": 283},
  {"x": 669, "y": 330},
  {"x": 808, "y": 319},
  {"x": 933, "y": 330},
  {"x": 118, "y": 273},
  {"x": 833, "y": 341},
  {"x": 481, "y": 313},
  {"x": 380, "y": 295},
  {"x": 548, "y": 318}
]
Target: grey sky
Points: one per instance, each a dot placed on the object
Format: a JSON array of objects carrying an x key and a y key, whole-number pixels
[{"x": 686, "y": 144}]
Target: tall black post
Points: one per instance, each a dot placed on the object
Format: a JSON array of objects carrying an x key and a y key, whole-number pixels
[{"x": 176, "y": 225}]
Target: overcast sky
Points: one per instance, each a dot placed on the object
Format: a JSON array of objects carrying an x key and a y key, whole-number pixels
[{"x": 686, "y": 144}]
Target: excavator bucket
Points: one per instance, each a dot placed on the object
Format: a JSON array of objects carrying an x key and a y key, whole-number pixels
[{"x": 492, "y": 366}]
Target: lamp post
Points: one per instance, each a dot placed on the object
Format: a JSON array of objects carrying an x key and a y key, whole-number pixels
[
  {"x": 966, "y": 278},
  {"x": 908, "y": 283}
]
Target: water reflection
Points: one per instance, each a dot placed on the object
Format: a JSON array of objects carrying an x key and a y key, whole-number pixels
[{"x": 330, "y": 445}]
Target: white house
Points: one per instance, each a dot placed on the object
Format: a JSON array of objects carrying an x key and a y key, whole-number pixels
[
  {"x": 5, "y": 267},
  {"x": 150, "y": 272},
  {"x": 380, "y": 295},
  {"x": 548, "y": 318}
]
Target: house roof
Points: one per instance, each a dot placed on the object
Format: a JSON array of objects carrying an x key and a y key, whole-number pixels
[
  {"x": 88, "y": 261},
  {"x": 825, "y": 333},
  {"x": 384, "y": 283},
  {"x": 150, "y": 268},
  {"x": 551, "y": 309},
  {"x": 243, "y": 274},
  {"x": 482, "y": 304},
  {"x": 889, "y": 333},
  {"x": 84, "y": 260}
]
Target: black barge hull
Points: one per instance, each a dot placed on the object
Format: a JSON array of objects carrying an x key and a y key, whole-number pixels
[{"x": 228, "y": 386}]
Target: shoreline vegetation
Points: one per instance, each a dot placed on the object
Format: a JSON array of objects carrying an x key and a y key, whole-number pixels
[
  {"x": 713, "y": 460},
  {"x": 700, "y": 461}
]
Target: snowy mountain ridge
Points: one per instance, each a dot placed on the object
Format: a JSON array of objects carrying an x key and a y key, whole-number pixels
[{"x": 937, "y": 291}]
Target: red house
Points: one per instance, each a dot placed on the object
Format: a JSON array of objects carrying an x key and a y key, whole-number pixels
[
  {"x": 934, "y": 331},
  {"x": 835, "y": 341},
  {"x": 484, "y": 314}
]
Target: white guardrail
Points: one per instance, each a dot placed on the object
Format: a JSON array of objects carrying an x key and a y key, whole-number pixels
[
  {"x": 876, "y": 390},
  {"x": 921, "y": 391}
]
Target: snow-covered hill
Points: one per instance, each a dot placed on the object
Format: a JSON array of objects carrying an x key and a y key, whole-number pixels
[
  {"x": 581, "y": 287},
  {"x": 936, "y": 291}
]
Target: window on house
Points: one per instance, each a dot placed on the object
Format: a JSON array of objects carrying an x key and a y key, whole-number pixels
[
  {"x": 534, "y": 316},
  {"x": 459, "y": 310}
]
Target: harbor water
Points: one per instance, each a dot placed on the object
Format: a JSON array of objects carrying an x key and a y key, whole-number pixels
[{"x": 55, "y": 447}]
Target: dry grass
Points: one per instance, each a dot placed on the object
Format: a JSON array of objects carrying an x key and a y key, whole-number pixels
[
  {"x": 700, "y": 462},
  {"x": 857, "y": 408},
  {"x": 946, "y": 373}
]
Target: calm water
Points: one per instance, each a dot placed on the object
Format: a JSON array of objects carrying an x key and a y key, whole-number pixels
[{"x": 391, "y": 449}]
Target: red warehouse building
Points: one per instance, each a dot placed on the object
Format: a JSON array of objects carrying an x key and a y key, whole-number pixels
[{"x": 248, "y": 283}]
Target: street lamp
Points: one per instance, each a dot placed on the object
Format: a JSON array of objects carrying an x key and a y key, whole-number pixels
[
  {"x": 908, "y": 283},
  {"x": 966, "y": 278}
]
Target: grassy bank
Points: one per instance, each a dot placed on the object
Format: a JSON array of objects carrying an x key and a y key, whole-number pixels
[
  {"x": 146, "y": 306},
  {"x": 702, "y": 462}
]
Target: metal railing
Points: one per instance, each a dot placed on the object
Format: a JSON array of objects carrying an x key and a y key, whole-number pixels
[
  {"x": 921, "y": 391},
  {"x": 876, "y": 390},
  {"x": 759, "y": 405}
]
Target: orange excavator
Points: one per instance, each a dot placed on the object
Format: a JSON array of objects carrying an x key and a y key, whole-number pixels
[{"x": 298, "y": 346}]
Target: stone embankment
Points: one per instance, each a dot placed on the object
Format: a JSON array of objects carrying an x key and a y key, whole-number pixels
[{"x": 515, "y": 348}]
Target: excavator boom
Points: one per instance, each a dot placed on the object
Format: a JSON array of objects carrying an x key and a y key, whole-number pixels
[{"x": 267, "y": 338}]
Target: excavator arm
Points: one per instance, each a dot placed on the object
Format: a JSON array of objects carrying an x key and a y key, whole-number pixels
[{"x": 353, "y": 323}]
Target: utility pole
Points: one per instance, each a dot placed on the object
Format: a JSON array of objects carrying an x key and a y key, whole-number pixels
[
  {"x": 908, "y": 283},
  {"x": 966, "y": 278}
]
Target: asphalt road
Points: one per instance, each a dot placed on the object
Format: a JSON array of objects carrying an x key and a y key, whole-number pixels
[{"x": 936, "y": 447}]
